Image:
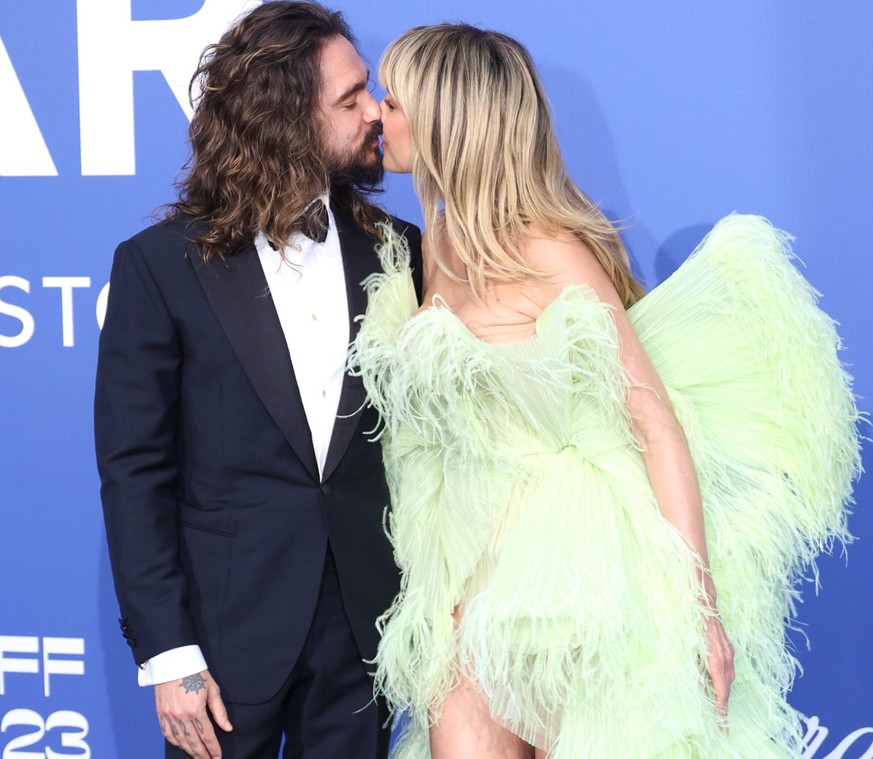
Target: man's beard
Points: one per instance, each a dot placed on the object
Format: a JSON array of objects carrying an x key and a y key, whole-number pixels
[{"x": 362, "y": 169}]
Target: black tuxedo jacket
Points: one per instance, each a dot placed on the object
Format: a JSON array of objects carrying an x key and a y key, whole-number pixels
[{"x": 216, "y": 519}]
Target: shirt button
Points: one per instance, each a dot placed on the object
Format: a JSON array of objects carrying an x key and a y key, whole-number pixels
[{"x": 314, "y": 317}]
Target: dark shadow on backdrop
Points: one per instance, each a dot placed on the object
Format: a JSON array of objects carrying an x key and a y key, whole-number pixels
[{"x": 677, "y": 247}]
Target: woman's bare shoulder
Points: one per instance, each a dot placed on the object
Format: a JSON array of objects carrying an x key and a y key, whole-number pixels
[{"x": 563, "y": 259}]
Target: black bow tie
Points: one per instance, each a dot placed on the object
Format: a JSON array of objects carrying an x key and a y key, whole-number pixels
[{"x": 315, "y": 221}]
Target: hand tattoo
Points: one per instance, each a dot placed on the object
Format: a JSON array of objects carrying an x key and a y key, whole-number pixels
[
  {"x": 193, "y": 683},
  {"x": 175, "y": 731},
  {"x": 199, "y": 725},
  {"x": 184, "y": 729}
]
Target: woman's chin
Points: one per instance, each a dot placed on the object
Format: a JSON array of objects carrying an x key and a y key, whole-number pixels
[{"x": 394, "y": 166}]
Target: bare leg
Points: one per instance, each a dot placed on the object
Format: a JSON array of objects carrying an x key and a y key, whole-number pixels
[{"x": 465, "y": 730}]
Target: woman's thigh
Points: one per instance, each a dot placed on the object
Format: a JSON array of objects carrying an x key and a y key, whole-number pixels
[{"x": 465, "y": 730}]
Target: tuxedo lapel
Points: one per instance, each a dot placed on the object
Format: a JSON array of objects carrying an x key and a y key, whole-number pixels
[
  {"x": 359, "y": 260},
  {"x": 237, "y": 292}
]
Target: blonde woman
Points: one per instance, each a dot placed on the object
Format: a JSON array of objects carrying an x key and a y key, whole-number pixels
[{"x": 598, "y": 508}]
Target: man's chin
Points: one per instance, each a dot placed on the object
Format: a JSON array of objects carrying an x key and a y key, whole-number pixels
[{"x": 365, "y": 176}]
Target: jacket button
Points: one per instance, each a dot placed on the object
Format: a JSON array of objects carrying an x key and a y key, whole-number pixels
[{"x": 325, "y": 489}]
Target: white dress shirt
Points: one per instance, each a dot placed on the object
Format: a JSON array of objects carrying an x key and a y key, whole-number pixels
[{"x": 308, "y": 286}]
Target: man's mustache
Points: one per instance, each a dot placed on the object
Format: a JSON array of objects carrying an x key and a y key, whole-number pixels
[{"x": 375, "y": 130}]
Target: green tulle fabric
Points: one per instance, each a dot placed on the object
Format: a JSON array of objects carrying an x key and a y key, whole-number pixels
[{"x": 519, "y": 495}]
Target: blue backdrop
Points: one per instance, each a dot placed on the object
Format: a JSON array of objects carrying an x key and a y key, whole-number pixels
[{"x": 671, "y": 115}]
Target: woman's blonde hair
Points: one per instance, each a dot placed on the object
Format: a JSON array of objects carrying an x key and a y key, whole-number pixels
[{"x": 486, "y": 163}]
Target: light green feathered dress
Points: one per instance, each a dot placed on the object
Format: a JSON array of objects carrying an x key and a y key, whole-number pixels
[{"x": 519, "y": 493}]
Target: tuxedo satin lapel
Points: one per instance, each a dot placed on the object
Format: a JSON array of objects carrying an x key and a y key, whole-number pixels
[
  {"x": 237, "y": 291},
  {"x": 359, "y": 260}
]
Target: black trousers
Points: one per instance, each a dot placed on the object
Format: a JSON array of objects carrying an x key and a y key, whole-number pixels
[{"x": 325, "y": 710}]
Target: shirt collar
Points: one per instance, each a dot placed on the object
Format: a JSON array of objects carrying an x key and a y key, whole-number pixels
[{"x": 300, "y": 251}]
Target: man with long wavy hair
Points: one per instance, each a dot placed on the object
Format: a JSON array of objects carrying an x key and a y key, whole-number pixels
[{"x": 243, "y": 501}]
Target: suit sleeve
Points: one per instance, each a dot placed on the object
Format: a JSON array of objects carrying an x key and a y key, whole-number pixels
[{"x": 136, "y": 423}]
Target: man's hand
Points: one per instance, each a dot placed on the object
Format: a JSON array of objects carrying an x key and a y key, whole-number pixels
[{"x": 182, "y": 711}]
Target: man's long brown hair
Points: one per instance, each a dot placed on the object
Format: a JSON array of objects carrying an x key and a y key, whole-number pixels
[{"x": 257, "y": 158}]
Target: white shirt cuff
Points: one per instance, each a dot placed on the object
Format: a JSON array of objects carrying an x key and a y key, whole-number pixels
[{"x": 171, "y": 665}]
